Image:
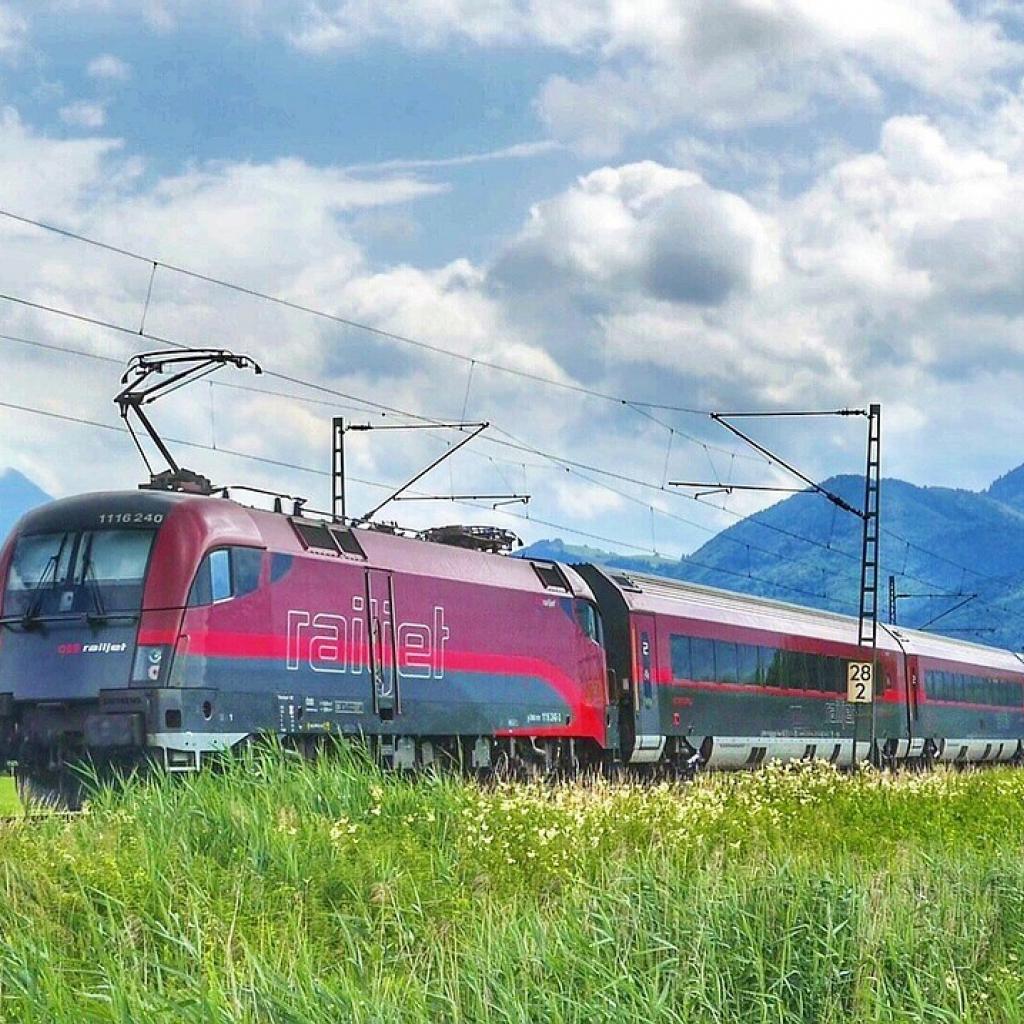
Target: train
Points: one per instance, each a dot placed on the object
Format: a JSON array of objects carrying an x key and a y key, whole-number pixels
[{"x": 161, "y": 628}]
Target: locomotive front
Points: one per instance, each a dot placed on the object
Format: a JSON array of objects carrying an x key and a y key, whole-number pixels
[{"x": 86, "y": 581}]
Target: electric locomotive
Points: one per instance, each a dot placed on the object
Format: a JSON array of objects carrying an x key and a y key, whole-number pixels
[{"x": 160, "y": 627}]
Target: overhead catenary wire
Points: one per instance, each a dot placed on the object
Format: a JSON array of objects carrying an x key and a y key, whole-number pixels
[
  {"x": 512, "y": 442},
  {"x": 551, "y": 464},
  {"x": 334, "y": 317},
  {"x": 97, "y": 424},
  {"x": 280, "y": 463}
]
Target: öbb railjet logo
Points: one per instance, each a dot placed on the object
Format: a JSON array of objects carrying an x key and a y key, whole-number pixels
[
  {"x": 327, "y": 642},
  {"x": 104, "y": 647}
]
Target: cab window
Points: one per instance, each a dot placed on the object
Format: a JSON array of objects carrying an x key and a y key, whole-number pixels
[
  {"x": 224, "y": 574},
  {"x": 588, "y": 620}
]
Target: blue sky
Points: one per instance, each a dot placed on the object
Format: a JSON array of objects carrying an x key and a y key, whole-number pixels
[
  {"x": 741, "y": 203},
  {"x": 210, "y": 91}
]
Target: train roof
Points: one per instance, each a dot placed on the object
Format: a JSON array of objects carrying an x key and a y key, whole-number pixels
[
  {"x": 226, "y": 521},
  {"x": 659, "y": 595}
]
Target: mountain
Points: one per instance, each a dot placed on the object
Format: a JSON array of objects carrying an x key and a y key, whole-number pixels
[
  {"x": 1009, "y": 489},
  {"x": 17, "y": 495},
  {"x": 941, "y": 544}
]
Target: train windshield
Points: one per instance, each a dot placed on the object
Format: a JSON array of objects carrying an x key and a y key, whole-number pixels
[{"x": 93, "y": 571}]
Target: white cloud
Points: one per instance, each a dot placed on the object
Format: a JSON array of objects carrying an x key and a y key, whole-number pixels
[
  {"x": 83, "y": 114},
  {"x": 50, "y": 176},
  {"x": 519, "y": 151},
  {"x": 644, "y": 226},
  {"x": 107, "y": 66},
  {"x": 730, "y": 63},
  {"x": 722, "y": 63},
  {"x": 13, "y": 30}
]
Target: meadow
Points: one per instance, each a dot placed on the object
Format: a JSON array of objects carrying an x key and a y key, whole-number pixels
[{"x": 289, "y": 891}]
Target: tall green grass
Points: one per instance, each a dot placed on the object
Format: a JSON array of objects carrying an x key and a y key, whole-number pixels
[
  {"x": 9, "y": 802},
  {"x": 282, "y": 890}
]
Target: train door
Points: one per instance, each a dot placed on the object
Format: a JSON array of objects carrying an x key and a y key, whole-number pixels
[
  {"x": 382, "y": 643},
  {"x": 650, "y": 736},
  {"x": 912, "y": 692}
]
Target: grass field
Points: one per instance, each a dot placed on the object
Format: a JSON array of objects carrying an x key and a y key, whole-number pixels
[
  {"x": 9, "y": 802},
  {"x": 288, "y": 891}
]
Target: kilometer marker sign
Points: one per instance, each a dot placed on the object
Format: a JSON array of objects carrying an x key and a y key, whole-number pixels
[{"x": 860, "y": 682}]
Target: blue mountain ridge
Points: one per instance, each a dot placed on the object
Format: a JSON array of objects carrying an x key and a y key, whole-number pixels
[{"x": 17, "y": 495}]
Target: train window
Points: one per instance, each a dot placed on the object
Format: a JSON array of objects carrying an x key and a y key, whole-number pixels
[
  {"x": 220, "y": 576},
  {"x": 702, "y": 659},
  {"x": 805, "y": 666},
  {"x": 551, "y": 576},
  {"x": 347, "y": 541},
  {"x": 725, "y": 662},
  {"x": 40, "y": 559},
  {"x": 748, "y": 664},
  {"x": 226, "y": 573},
  {"x": 835, "y": 676},
  {"x": 794, "y": 675},
  {"x": 315, "y": 535},
  {"x": 586, "y": 616},
  {"x": 818, "y": 673},
  {"x": 682, "y": 667},
  {"x": 245, "y": 570},
  {"x": 113, "y": 556},
  {"x": 815, "y": 672},
  {"x": 771, "y": 666}
]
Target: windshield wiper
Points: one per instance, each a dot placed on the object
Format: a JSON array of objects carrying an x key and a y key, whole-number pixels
[
  {"x": 19, "y": 620},
  {"x": 32, "y": 611},
  {"x": 100, "y": 613}
]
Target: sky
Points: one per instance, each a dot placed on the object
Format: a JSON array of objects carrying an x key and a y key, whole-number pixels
[{"x": 703, "y": 205}]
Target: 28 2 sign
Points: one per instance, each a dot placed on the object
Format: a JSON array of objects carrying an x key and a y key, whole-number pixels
[{"x": 860, "y": 682}]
